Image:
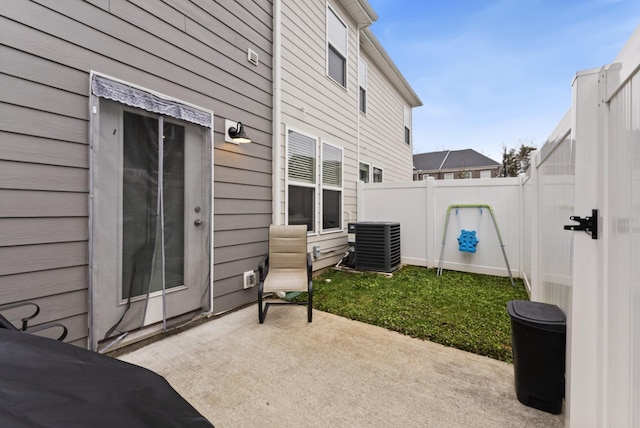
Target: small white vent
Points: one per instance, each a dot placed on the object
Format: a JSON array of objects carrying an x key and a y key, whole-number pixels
[{"x": 252, "y": 57}]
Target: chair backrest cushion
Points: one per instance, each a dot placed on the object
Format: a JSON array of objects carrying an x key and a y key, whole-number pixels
[{"x": 288, "y": 247}]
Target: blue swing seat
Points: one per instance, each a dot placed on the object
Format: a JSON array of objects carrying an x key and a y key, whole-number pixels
[{"x": 467, "y": 241}]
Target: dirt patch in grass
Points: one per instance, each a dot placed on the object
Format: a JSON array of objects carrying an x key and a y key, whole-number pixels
[{"x": 461, "y": 310}]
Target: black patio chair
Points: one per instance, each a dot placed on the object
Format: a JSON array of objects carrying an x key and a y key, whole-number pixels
[{"x": 5, "y": 323}]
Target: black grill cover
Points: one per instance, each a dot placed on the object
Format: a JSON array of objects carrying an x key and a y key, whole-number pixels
[{"x": 45, "y": 383}]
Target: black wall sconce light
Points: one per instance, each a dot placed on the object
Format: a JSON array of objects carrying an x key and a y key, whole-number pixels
[{"x": 234, "y": 132}]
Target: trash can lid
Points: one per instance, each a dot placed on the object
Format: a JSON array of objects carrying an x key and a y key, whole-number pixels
[{"x": 543, "y": 316}]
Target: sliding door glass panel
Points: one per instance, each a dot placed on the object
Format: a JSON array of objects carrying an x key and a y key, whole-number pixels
[{"x": 142, "y": 252}]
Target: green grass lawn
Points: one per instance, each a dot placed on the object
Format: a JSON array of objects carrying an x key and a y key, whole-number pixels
[{"x": 461, "y": 310}]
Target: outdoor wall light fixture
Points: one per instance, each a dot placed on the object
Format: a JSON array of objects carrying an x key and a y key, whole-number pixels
[{"x": 234, "y": 132}]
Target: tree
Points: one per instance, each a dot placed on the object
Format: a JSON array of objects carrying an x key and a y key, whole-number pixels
[{"x": 517, "y": 161}]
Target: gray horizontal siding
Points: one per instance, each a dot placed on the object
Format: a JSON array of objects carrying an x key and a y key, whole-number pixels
[
  {"x": 304, "y": 71},
  {"x": 30, "y": 258},
  {"x": 35, "y": 69},
  {"x": 22, "y": 203},
  {"x": 238, "y": 237},
  {"x": 36, "y": 284},
  {"x": 239, "y": 191},
  {"x": 242, "y": 176},
  {"x": 239, "y": 206},
  {"x": 230, "y": 269},
  {"x": 193, "y": 50},
  {"x": 238, "y": 252},
  {"x": 39, "y": 150},
  {"x": 239, "y": 160},
  {"x": 230, "y": 222},
  {"x": 28, "y": 176},
  {"x": 232, "y": 299},
  {"x": 330, "y": 111},
  {"x": 382, "y": 127},
  {"x": 36, "y": 123},
  {"x": 56, "y": 308},
  {"x": 29, "y": 231},
  {"x": 42, "y": 97},
  {"x": 228, "y": 284}
]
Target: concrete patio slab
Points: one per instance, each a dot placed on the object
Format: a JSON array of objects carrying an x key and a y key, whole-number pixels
[{"x": 333, "y": 372}]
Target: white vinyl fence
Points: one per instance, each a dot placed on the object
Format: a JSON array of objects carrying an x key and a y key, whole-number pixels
[
  {"x": 421, "y": 209},
  {"x": 591, "y": 161}
]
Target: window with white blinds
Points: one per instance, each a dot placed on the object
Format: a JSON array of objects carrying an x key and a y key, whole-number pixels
[
  {"x": 337, "y": 31},
  {"x": 336, "y": 47},
  {"x": 331, "y": 187},
  {"x": 301, "y": 158},
  {"x": 302, "y": 182},
  {"x": 331, "y": 165},
  {"x": 304, "y": 188}
]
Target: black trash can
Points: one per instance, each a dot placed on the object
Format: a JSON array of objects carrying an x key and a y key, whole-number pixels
[{"x": 538, "y": 341}]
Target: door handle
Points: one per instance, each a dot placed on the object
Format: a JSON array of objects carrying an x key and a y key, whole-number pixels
[{"x": 197, "y": 222}]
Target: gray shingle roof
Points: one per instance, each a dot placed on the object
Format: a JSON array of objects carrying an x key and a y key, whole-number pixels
[{"x": 452, "y": 159}]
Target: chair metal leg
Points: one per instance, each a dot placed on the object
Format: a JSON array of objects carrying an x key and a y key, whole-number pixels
[
  {"x": 261, "y": 312},
  {"x": 310, "y": 302}
]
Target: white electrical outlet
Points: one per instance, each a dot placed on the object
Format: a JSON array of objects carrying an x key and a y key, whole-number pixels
[{"x": 249, "y": 279}]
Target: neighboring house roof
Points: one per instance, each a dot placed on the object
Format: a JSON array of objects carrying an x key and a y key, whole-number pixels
[{"x": 452, "y": 160}]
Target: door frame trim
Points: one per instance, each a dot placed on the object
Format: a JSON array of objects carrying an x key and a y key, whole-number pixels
[{"x": 94, "y": 128}]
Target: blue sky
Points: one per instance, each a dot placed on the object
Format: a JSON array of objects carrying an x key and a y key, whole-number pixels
[{"x": 494, "y": 73}]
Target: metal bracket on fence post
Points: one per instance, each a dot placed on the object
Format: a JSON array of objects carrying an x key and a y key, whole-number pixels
[{"x": 588, "y": 224}]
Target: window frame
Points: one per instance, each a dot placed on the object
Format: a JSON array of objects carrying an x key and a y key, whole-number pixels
[
  {"x": 368, "y": 172},
  {"x": 332, "y": 188},
  {"x": 373, "y": 174},
  {"x": 407, "y": 125},
  {"x": 362, "y": 84},
  {"x": 289, "y": 182},
  {"x": 336, "y": 49}
]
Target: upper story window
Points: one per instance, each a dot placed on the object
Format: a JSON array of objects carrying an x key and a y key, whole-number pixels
[
  {"x": 377, "y": 175},
  {"x": 362, "y": 81},
  {"x": 336, "y": 47},
  {"x": 407, "y": 124},
  {"x": 365, "y": 169}
]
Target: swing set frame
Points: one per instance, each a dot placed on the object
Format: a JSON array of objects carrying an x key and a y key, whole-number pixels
[{"x": 495, "y": 224}]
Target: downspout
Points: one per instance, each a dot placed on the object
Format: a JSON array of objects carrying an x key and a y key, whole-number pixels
[
  {"x": 276, "y": 191},
  {"x": 359, "y": 28},
  {"x": 92, "y": 341}
]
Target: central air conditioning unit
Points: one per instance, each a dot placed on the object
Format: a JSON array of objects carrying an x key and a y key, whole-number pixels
[{"x": 376, "y": 245}]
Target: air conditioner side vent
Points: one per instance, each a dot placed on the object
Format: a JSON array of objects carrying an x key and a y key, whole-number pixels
[{"x": 377, "y": 246}]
